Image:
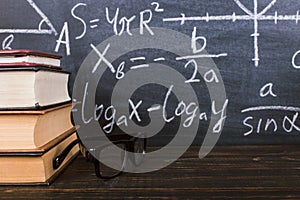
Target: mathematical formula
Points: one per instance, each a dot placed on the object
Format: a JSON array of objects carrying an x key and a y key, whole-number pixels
[{"x": 122, "y": 24}]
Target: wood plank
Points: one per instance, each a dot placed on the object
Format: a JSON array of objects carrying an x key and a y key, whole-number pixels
[{"x": 231, "y": 172}]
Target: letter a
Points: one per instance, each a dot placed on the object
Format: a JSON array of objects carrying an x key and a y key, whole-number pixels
[
  {"x": 64, "y": 32},
  {"x": 267, "y": 90}
]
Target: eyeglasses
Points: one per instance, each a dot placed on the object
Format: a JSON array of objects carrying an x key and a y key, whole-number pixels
[{"x": 115, "y": 154}]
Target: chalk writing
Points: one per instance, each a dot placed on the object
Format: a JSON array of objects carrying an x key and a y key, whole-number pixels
[
  {"x": 102, "y": 58},
  {"x": 159, "y": 59},
  {"x": 282, "y": 108},
  {"x": 294, "y": 60},
  {"x": 120, "y": 74},
  {"x": 287, "y": 123},
  {"x": 137, "y": 59},
  {"x": 64, "y": 34},
  {"x": 157, "y": 7},
  {"x": 6, "y": 44},
  {"x": 79, "y": 19},
  {"x": 145, "y": 18},
  {"x": 190, "y": 110},
  {"x": 254, "y": 16},
  {"x": 267, "y": 90},
  {"x": 196, "y": 51},
  {"x": 193, "y": 78},
  {"x": 88, "y": 22},
  {"x": 39, "y": 30},
  {"x": 94, "y": 23}
]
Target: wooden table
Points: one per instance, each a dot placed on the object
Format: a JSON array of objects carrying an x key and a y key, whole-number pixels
[{"x": 236, "y": 172}]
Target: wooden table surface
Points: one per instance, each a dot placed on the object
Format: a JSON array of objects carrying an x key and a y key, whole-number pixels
[{"x": 228, "y": 172}]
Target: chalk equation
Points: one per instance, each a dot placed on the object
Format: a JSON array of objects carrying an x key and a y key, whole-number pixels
[
  {"x": 122, "y": 24},
  {"x": 79, "y": 23},
  {"x": 287, "y": 123},
  {"x": 254, "y": 16},
  {"x": 133, "y": 72},
  {"x": 190, "y": 110}
]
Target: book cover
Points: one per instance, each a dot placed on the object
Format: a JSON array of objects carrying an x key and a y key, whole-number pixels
[
  {"x": 35, "y": 166},
  {"x": 26, "y": 52},
  {"x": 17, "y": 57}
]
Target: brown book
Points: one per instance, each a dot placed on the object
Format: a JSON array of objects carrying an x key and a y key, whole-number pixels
[
  {"x": 31, "y": 88},
  {"x": 29, "y": 56},
  {"x": 35, "y": 166},
  {"x": 31, "y": 129}
]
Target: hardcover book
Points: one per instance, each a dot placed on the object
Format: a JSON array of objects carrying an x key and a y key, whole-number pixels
[
  {"x": 32, "y": 87},
  {"x": 31, "y": 129},
  {"x": 29, "y": 56},
  {"x": 35, "y": 166}
]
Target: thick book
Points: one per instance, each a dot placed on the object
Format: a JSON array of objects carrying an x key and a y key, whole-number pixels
[
  {"x": 32, "y": 87},
  {"x": 29, "y": 129},
  {"x": 35, "y": 166},
  {"x": 29, "y": 56}
]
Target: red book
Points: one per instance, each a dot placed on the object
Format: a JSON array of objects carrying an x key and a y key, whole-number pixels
[{"x": 17, "y": 58}]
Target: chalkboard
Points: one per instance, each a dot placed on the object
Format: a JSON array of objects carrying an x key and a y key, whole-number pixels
[{"x": 249, "y": 48}]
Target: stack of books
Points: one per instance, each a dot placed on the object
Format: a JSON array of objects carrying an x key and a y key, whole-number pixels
[{"x": 35, "y": 117}]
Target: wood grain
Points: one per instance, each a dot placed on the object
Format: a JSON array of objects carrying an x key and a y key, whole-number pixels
[{"x": 228, "y": 172}]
